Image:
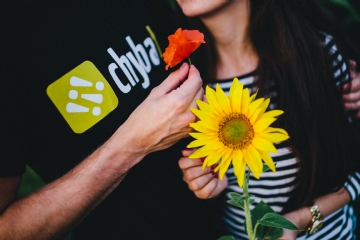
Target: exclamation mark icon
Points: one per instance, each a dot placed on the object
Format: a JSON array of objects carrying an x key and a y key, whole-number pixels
[
  {"x": 83, "y": 96},
  {"x": 93, "y": 97}
]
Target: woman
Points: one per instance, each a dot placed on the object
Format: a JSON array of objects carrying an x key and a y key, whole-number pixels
[{"x": 278, "y": 47}]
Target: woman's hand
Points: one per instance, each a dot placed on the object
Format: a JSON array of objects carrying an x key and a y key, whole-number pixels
[
  {"x": 300, "y": 218},
  {"x": 204, "y": 183},
  {"x": 352, "y": 98}
]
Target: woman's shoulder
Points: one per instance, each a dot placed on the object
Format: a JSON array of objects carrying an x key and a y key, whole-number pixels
[{"x": 335, "y": 58}]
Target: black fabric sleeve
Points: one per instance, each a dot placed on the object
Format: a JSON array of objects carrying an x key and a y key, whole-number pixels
[{"x": 14, "y": 112}]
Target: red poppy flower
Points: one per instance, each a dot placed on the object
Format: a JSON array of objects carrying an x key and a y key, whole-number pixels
[{"x": 181, "y": 45}]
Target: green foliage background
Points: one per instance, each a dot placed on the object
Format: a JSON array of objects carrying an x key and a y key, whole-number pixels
[{"x": 345, "y": 16}]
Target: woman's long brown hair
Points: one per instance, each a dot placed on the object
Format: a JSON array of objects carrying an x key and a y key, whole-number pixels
[{"x": 285, "y": 35}]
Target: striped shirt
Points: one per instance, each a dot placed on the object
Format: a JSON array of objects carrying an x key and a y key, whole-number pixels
[{"x": 275, "y": 188}]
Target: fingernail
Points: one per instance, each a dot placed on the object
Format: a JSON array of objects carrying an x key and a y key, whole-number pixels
[
  {"x": 202, "y": 160},
  {"x": 183, "y": 65},
  {"x": 215, "y": 175},
  {"x": 214, "y": 166}
]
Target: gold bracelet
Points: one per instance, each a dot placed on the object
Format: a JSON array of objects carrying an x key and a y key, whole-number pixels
[{"x": 317, "y": 220}]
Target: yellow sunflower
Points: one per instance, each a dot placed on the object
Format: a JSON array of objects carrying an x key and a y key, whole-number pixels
[{"x": 235, "y": 129}]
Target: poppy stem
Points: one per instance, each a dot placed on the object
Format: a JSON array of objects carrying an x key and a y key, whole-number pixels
[{"x": 189, "y": 62}]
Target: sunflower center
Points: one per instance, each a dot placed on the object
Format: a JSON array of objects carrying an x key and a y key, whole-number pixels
[{"x": 236, "y": 131}]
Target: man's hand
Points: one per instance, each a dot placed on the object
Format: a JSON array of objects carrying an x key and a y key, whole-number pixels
[
  {"x": 52, "y": 211},
  {"x": 352, "y": 99},
  {"x": 164, "y": 117}
]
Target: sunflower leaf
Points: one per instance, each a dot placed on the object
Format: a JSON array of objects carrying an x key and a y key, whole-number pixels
[
  {"x": 238, "y": 200},
  {"x": 266, "y": 167},
  {"x": 264, "y": 232},
  {"x": 235, "y": 195},
  {"x": 236, "y": 203},
  {"x": 277, "y": 221}
]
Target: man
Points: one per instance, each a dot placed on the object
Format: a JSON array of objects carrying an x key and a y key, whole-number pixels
[{"x": 74, "y": 76}]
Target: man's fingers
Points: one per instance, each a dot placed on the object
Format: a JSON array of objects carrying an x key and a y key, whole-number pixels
[
  {"x": 173, "y": 80},
  {"x": 190, "y": 88},
  {"x": 199, "y": 96}
]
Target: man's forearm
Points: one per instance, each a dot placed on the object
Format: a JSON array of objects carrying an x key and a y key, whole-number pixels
[
  {"x": 54, "y": 210},
  {"x": 58, "y": 207}
]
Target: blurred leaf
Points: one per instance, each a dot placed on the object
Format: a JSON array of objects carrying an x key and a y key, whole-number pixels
[
  {"x": 227, "y": 238},
  {"x": 29, "y": 183}
]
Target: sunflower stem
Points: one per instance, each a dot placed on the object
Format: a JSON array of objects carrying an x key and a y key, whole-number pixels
[
  {"x": 249, "y": 228},
  {"x": 189, "y": 62}
]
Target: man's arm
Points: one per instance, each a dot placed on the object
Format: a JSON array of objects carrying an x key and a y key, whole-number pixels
[
  {"x": 8, "y": 188},
  {"x": 55, "y": 209}
]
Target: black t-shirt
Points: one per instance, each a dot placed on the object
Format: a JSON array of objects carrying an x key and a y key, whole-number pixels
[{"x": 71, "y": 74}]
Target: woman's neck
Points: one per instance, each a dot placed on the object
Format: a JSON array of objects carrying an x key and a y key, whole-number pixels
[{"x": 229, "y": 29}]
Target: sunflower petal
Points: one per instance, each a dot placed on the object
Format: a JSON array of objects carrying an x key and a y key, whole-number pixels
[
  {"x": 252, "y": 98},
  {"x": 268, "y": 160},
  {"x": 225, "y": 162},
  {"x": 213, "y": 158},
  {"x": 251, "y": 162},
  {"x": 205, "y": 150},
  {"x": 255, "y": 116},
  {"x": 211, "y": 98},
  {"x": 262, "y": 124},
  {"x": 203, "y": 106},
  {"x": 236, "y": 99},
  {"x": 271, "y": 114},
  {"x": 264, "y": 105},
  {"x": 199, "y": 136},
  {"x": 263, "y": 145},
  {"x": 254, "y": 106},
  {"x": 233, "y": 87},
  {"x": 241, "y": 173},
  {"x": 210, "y": 121},
  {"x": 237, "y": 160},
  {"x": 223, "y": 100},
  {"x": 197, "y": 143},
  {"x": 274, "y": 137},
  {"x": 201, "y": 127},
  {"x": 271, "y": 129},
  {"x": 256, "y": 158},
  {"x": 245, "y": 101}
]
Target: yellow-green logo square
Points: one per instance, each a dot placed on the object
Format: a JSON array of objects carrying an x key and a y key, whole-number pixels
[{"x": 82, "y": 96}]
